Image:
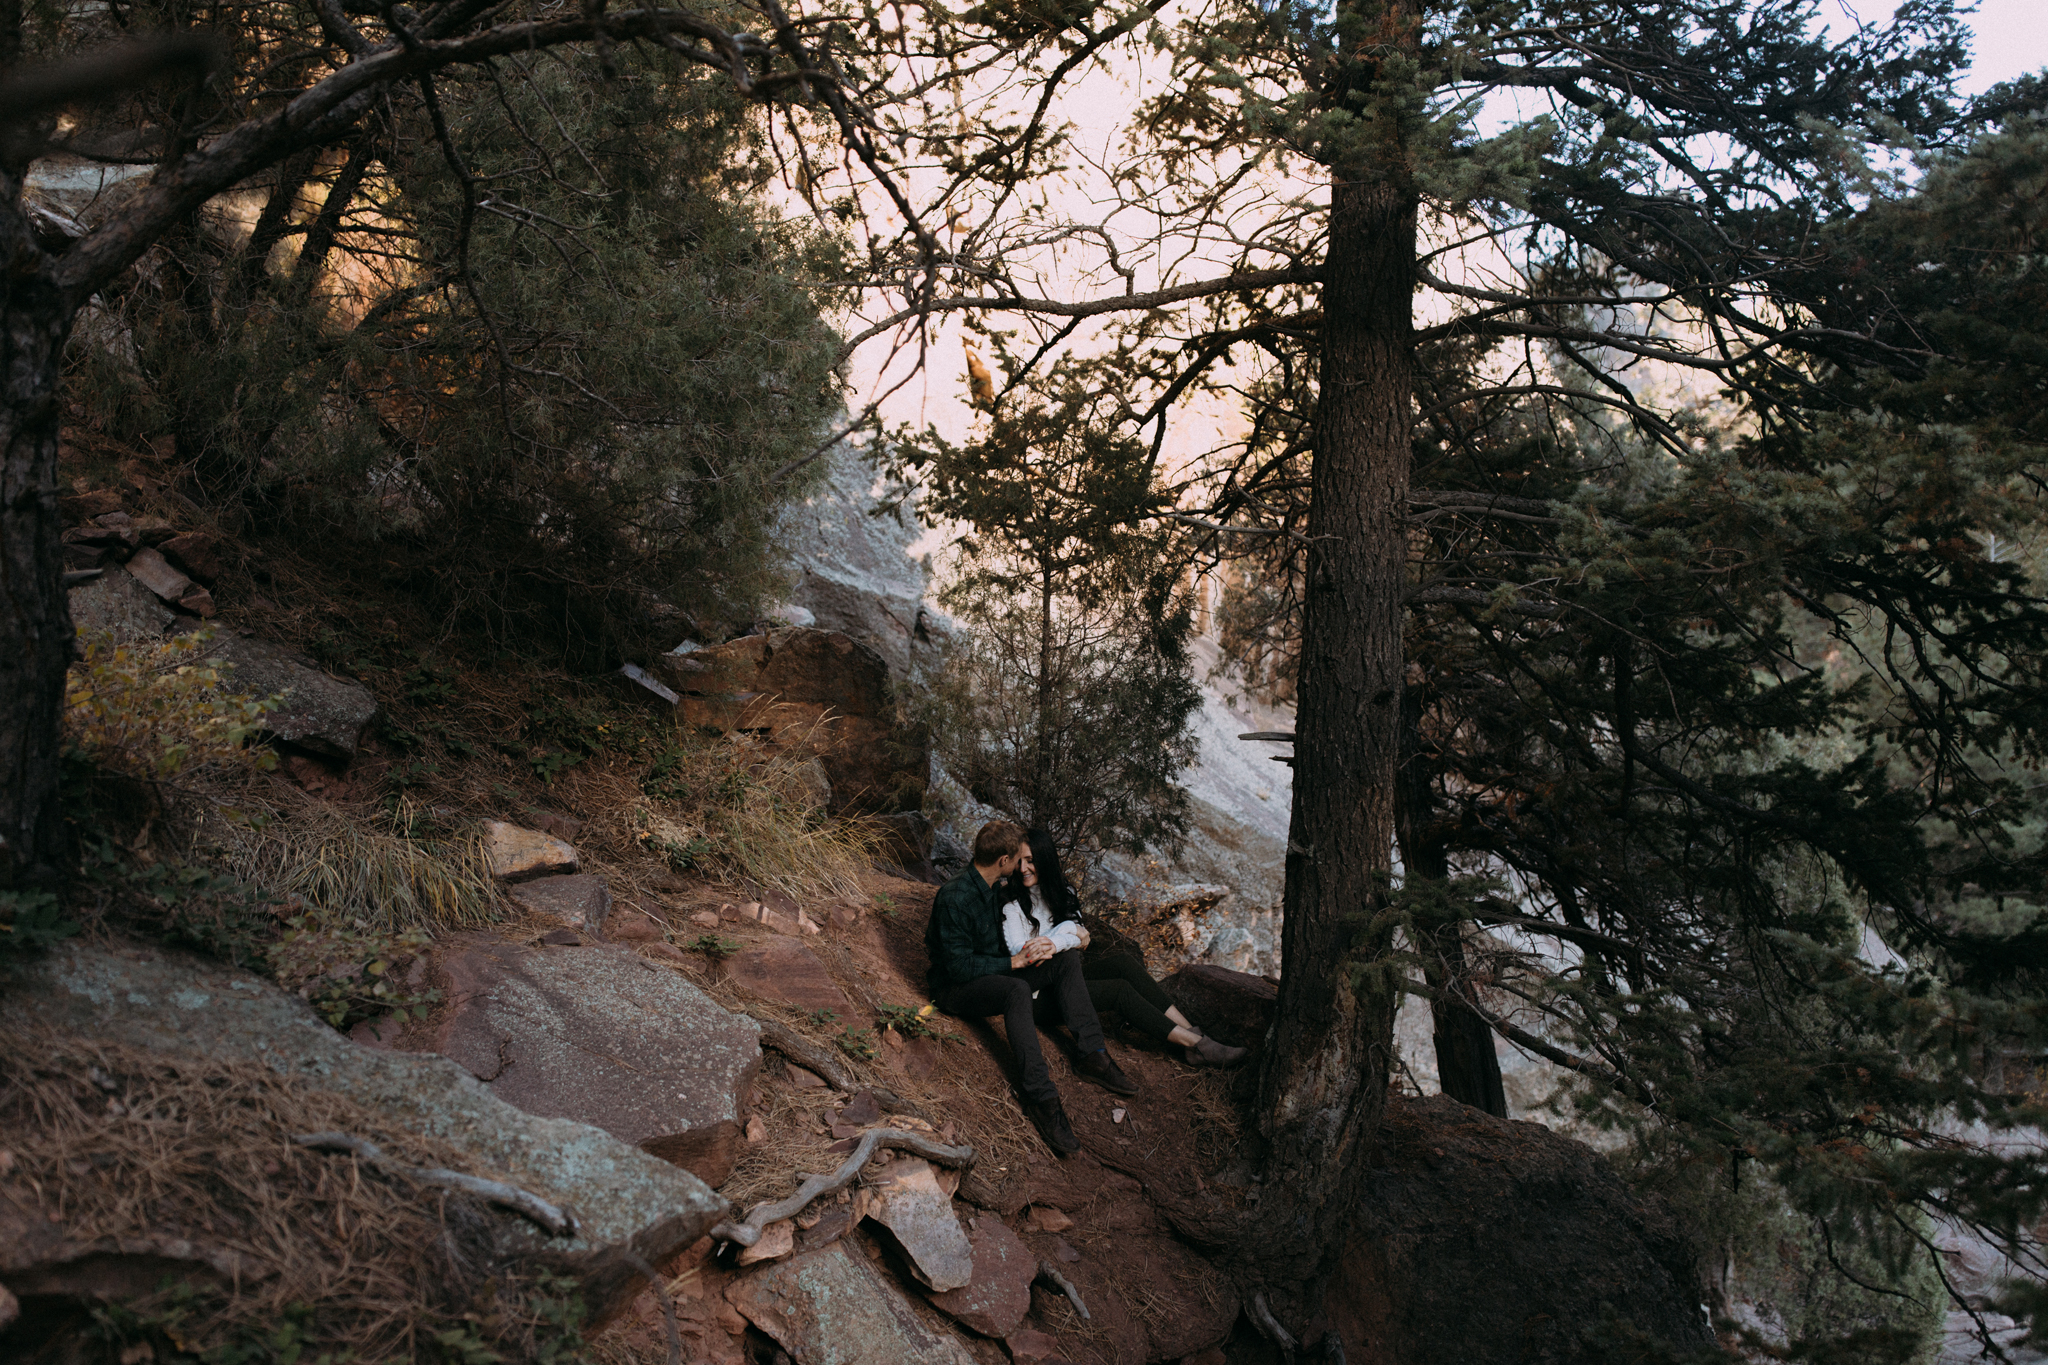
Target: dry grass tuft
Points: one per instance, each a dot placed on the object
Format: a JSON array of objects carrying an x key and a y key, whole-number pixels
[
  {"x": 729, "y": 810},
  {"x": 352, "y": 867},
  {"x": 113, "y": 1144}
]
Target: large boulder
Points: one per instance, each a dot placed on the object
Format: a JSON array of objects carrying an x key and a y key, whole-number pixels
[
  {"x": 630, "y": 1205},
  {"x": 321, "y": 713},
  {"x": 602, "y": 1036},
  {"x": 814, "y": 691},
  {"x": 860, "y": 567},
  {"x": 1516, "y": 1243}
]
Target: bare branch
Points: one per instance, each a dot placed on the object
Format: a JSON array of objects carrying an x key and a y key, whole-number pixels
[
  {"x": 1087, "y": 308},
  {"x": 109, "y": 71}
]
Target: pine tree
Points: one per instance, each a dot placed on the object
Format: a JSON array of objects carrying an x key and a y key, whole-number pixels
[
  {"x": 1462, "y": 356},
  {"x": 305, "y": 92},
  {"x": 1068, "y": 702}
]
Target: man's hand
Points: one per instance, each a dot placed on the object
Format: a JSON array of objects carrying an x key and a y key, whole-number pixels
[
  {"x": 1034, "y": 951},
  {"x": 1081, "y": 933}
]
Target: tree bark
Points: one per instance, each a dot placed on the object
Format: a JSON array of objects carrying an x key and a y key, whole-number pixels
[
  {"x": 1324, "y": 1080},
  {"x": 35, "y": 616},
  {"x": 1467, "y": 1066}
]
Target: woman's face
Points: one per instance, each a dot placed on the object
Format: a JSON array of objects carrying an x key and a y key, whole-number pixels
[{"x": 1026, "y": 869}]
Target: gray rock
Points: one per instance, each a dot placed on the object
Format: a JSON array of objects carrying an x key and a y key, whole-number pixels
[
  {"x": 321, "y": 713},
  {"x": 597, "y": 1035},
  {"x": 627, "y": 1201},
  {"x": 831, "y": 1307},
  {"x": 114, "y": 602},
  {"x": 581, "y": 901},
  {"x": 154, "y": 572},
  {"x": 857, "y": 569},
  {"x": 910, "y": 1204}
]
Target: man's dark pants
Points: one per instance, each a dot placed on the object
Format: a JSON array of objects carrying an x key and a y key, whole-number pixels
[{"x": 1009, "y": 994}]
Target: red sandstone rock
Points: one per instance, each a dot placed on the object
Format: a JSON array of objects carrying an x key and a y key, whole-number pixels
[
  {"x": 786, "y": 971},
  {"x": 995, "y": 1301}
]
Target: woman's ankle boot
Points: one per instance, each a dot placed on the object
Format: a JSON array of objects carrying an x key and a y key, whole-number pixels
[{"x": 1208, "y": 1052}]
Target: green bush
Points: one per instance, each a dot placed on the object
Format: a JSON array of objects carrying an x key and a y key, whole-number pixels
[{"x": 161, "y": 711}]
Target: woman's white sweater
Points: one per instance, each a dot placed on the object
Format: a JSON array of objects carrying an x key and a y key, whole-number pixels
[{"x": 1022, "y": 923}]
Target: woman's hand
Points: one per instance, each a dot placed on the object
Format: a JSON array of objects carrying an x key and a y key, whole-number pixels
[
  {"x": 1081, "y": 933},
  {"x": 1033, "y": 952}
]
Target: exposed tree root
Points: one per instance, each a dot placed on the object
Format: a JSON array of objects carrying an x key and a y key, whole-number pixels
[
  {"x": 559, "y": 1222},
  {"x": 748, "y": 1232},
  {"x": 1270, "y": 1325},
  {"x": 812, "y": 1057},
  {"x": 1049, "y": 1272}
]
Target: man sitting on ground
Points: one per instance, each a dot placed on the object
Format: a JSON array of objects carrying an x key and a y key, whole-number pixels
[{"x": 973, "y": 975}]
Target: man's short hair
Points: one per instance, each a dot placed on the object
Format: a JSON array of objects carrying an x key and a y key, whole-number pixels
[{"x": 997, "y": 840}]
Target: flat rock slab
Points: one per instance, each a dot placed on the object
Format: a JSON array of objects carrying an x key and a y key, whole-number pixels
[
  {"x": 907, "y": 1200},
  {"x": 597, "y": 1035},
  {"x": 580, "y": 901},
  {"x": 629, "y": 1203},
  {"x": 785, "y": 970},
  {"x": 117, "y": 604},
  {"x": 516, "y": 854},
  {"x": 321, "y": 713},
  {"x": 995, "y": 1301},
  {"x": 831, "y": 1307}
]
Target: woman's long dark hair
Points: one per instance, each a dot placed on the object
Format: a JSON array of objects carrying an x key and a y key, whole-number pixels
[{"x": 1052, "y": 882}]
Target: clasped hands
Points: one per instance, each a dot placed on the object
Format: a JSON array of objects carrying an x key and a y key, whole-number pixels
[
  {"x": 1037, "y": 950},
  {"x": 1034, "y": 951}
]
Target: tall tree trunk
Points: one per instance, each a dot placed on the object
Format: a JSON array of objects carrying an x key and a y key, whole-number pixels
[
  {"x": 35, "y": 617},
  {"x": 1467, "y": 1067},
  {"x": 1323, "y": 1085}
]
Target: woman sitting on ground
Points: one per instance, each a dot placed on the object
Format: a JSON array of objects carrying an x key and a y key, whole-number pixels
[{"x": 1045, "y": 906}]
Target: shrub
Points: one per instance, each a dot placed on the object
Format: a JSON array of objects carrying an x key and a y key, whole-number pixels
[
  {"x": 161, "y": 711},
  {"x": 344, "y": 967}
]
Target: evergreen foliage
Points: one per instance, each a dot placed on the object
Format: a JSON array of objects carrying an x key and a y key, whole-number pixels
[
  {"x": 1607, "y": 393},
  {"x": 1067, "y": 702},
  {"x": 566, "y": 366}
]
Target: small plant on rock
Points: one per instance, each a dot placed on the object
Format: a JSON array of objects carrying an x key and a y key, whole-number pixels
[
  {"x": 910, "y": 1022},
  {"x": 32, "y": 920},
  {"x": 857, "y": 1043},
  {"x": 717, "y": 947},
  {"x": 345, "y": 968}
]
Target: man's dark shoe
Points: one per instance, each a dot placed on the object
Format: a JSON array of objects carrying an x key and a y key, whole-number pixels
[
  {"x": 1050, "y": 1118},
  {"x": 1097, "y": 1066}
]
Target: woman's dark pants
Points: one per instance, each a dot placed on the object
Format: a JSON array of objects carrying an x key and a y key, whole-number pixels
[
  {"x": 1122, "y": 984},
  {"x": 1064, "y": 999}
]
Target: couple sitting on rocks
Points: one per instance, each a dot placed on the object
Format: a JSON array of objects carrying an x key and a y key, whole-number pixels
[{"x": 1005, "y": 938}]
